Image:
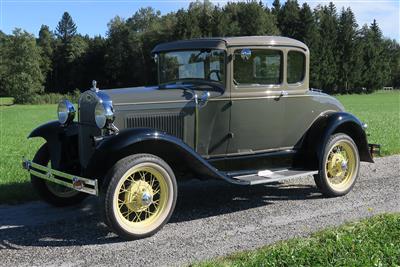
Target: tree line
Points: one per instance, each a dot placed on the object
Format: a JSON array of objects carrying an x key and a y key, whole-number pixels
[{"x": 345, "y": 57}]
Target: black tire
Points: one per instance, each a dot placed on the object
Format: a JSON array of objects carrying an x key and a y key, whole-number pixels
[
  {"x": 44, "y": 188},
  {"x": 125, "y": 173},
  {"x": 323, "y": 179}
]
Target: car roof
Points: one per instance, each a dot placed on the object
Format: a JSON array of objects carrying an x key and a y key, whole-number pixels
[{"x": 224, "y": 42}]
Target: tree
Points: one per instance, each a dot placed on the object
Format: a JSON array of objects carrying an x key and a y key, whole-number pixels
[
  {"x": 3, "y": 55},
  {"x": 22, "y": 76},
  {"x": 276, "y": 8},
  {"x": 327, "y": 72},
  {"x": 393, "y": 50},
  {"x": 289, "y": 19},
  {"x": 66, "y": 28},
  {"x": 309, "y": 34},
  {"x": 349, "y": 54},
  {"x": 376, "y": 71},
  {"x": 69, "y": 55},
  {"x": 254, "y": 20},
  {"x": 46, "y": 44}
]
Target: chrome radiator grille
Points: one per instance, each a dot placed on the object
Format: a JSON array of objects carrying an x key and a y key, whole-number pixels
[
  {"x": 87, "y": 127},
  {"x": 171, "y": 123}
]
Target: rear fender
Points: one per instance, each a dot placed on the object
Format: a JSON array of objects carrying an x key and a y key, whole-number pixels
[
  {"x": 332, "y": 123},
  {"x": 145, "y": 140}
]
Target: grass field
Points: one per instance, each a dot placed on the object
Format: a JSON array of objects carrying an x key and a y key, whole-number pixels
[
  {"x": 5, "y": 101},
  {"x": 371, "y": 242},
  {"x": 381, "y": 111}
]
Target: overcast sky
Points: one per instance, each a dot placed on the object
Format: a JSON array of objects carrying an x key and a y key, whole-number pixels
[{"x": 92, "y": 16}]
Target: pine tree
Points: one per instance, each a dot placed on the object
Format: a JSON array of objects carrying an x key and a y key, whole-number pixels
[
  {"x": 327, "y": 49},
  {"x": 289, "y": 19},
  {"x": 66, "y": 28},
  {"x": 308, "y": 33},
  {"x": 276, "y": 8},
  {"x": 349, "y": 57},
  {"x": 253, "y": 20},
  {"x": 46, "y": 44}
]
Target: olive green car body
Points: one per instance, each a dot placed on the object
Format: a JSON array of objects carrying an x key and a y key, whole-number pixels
[{"x": 207, "y": 131}]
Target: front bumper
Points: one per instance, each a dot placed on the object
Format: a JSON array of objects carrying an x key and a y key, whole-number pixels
[{"x": 85, "y": 185}]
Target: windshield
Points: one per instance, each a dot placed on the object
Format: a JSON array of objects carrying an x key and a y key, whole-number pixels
[{"x": 207, "y": 64}]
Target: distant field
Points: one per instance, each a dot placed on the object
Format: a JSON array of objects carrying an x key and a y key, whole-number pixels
[
  {"x": 381, "y": 111},
  {"x": 5, "y": 101}
]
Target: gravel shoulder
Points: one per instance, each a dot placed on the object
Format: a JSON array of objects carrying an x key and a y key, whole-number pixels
[{"x": 212, "y": 219}]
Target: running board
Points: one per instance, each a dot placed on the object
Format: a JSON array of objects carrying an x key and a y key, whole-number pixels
[{"x": 269, "y": 176}]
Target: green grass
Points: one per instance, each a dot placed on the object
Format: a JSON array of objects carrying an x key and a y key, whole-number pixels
[
  {"x": 371, "y": 242},
  {"x": 381, "y": 111},
  {"x": 16, "y": 122},
  {"x": 5, "y": 101}
]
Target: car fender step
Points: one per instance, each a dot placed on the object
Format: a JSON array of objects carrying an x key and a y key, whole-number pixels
[{"x": 271, "y": 176}]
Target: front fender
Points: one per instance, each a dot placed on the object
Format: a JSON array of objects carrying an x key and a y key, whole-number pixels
[
  {"x": 340, "y": 122},
  {"x": 146, "y": 140},
  {"x": 54, "y": 134}
]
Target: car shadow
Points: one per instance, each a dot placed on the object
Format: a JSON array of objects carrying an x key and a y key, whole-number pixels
[{"x": 196, "y": 200}]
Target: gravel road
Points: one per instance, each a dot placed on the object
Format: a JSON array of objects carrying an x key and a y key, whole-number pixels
[{"x": 211, "y": 219}]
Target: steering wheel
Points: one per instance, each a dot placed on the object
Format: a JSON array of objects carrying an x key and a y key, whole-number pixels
[{"x": 217, "y": 73}]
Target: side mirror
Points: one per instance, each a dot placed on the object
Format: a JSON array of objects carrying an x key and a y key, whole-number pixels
[{"x": 245, "y": 54}]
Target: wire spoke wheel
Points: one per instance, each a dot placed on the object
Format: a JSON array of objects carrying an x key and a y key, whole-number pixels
[
  {"x": 141, "y": 196},
  {"x": 341, "y": 165}
]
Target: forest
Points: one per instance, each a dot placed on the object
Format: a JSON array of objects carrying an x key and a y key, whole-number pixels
[{"x": 345, "y": 57}]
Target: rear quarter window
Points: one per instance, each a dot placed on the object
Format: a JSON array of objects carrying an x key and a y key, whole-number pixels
[{"x": 296, "y": 62}]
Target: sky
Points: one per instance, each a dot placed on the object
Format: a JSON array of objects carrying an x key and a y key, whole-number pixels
[{"x": 92, "y": 16}]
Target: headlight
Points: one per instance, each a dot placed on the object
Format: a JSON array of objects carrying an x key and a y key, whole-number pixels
[
  {"x": 66, "y": 112},
  {"x": 104, "y": 114}
]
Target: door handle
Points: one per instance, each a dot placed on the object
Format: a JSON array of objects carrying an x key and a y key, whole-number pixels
[{"x": 283, "y": 93}]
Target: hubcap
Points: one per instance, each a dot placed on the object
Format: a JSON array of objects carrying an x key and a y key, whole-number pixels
[
  {"x": 340, "y": 165},
  {"x": 139, "y": 196}
]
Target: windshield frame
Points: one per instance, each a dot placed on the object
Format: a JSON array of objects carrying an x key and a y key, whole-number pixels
[{"x": 221, "y": 83}]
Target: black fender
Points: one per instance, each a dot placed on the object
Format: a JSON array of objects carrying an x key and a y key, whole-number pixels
[
  {"x": 337, "y": 122},
  {"x": 55, "y": 135},
  {"x": 146, "y": 140}
]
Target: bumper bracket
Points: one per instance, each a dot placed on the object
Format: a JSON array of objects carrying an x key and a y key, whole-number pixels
[{"x": 85, "y": 185}]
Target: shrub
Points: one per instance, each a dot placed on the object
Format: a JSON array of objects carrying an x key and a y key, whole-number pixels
[{"x": 53, "y": 98}]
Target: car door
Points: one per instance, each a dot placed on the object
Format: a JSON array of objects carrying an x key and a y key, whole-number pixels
[
  {"x": 257, "y": 112},
  {"x": 300, "y": 109}
]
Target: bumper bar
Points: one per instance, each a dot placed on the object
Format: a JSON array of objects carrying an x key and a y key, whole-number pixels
[
  {"x": 374, "y": 149},
  {"x": 77, "y": 183}
]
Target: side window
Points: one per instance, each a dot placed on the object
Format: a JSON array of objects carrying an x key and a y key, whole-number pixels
[
  {"x": 263, "y": 67},
  {"x": 296, "y": 63}
]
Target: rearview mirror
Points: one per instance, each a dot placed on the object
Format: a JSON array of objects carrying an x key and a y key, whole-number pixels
[{"x": 245, "y": 54}]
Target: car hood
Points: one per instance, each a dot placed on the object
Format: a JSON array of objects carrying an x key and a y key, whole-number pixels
[{"x": 142, "y": 95}]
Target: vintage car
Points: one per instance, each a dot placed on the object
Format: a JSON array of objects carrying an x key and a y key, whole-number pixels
[{"x": 237, "y": 109}]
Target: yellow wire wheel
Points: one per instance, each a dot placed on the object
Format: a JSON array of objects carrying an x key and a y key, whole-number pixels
[
  {"x": 340, "y": 166},
  {"x": 143, "y": 196}
]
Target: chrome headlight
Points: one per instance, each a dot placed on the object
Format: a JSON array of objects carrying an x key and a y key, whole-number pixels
[
  {"x": 66, "y": 112},
  {"x": 104, "y": 114}
]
